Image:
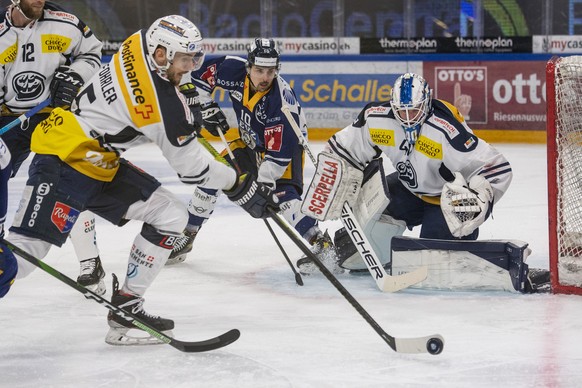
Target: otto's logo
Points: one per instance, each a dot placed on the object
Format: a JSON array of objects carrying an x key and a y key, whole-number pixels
[
  {"x": 28, "y": 85},
  {"x": 64, "y": 217},
  {"x": 274, "y": 137}
]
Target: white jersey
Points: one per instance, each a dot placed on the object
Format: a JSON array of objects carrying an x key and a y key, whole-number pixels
[
  {"x": 445, "y": 145},
  {"x": 126, "y": 104},
  {"x": 30, "y": 55}
]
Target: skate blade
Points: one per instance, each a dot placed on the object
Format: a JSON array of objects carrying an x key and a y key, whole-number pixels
[
  {"x": 98, "y": 288},
  {"x": 176, "y": 260},
  {"x": 118, "y": 336}
]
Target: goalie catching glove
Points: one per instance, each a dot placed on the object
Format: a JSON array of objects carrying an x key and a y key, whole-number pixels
[
  {"x": 64, "y": 87},
  {"x": 214, "y": 119},
  {"x": 255, "y": 197},
  {"x": 466, "y": 206}
]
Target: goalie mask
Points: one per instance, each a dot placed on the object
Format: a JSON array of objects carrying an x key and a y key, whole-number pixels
[
  {"x": 411, "y": 103},
  {"x": 263, "y": 53},
  {"x": 177, "y": 35}
]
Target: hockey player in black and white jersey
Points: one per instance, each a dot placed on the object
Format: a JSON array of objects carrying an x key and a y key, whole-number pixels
[
  {"x": 46, "y": 52},
  {"x": 267, "y": 145},
  {"x": 132, "y": 100},
  {"x": 447, "y": 180}
]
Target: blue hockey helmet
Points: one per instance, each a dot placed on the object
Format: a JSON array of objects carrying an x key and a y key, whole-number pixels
[{"x": 411, "y": 103}]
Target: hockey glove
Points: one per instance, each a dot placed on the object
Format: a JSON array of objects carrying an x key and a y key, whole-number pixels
[
  {"x": 191, "y": 95},
  {"x": 64, "y": 87},
  {"x": 8, "y": 269},
  {"x": 214, "y": 118},
  {"x": 253, "y": 196},
  {"x": 466, "y": 206}
]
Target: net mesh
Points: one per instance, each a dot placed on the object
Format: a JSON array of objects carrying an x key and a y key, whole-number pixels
[{"x": 568, "y": 122}]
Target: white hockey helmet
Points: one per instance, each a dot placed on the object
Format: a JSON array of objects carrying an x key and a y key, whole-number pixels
[
  {"x": 177, "y": 35},
  {"x": 411, "y": 102}
]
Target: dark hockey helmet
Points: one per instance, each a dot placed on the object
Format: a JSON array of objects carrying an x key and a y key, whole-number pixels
[{"x": 264, "y": 53}]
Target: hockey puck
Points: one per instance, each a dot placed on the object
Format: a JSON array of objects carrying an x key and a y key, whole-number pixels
[{"x": 435, "y": 345}]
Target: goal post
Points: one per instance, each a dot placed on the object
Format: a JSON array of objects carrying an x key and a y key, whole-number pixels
[{"x": 564, "y": 154}]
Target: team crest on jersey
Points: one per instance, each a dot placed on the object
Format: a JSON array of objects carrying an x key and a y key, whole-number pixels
[
  {"x": 274, "y": 137},
  {"x": 28, "y": 85},
  {"x": 383, "y": 137},
  {"x": 64, "y": 217},
  {"x": 208, "y": 75}
]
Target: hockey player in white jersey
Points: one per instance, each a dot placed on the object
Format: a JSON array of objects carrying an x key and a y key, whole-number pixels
[
  {"x": 447, "y": 181},
  {"x": 132, "y": 100},
  {"x": 266, "y": 145},
  {"x": 46, "y": 52}
]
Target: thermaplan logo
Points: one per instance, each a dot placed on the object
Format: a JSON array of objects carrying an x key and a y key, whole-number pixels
[{"x": 494, "y": 44}]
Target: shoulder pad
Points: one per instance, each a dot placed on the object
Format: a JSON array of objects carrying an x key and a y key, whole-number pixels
[
  {"x": 447, "y": 119},
  {"x": 53, "y": 12},
  {"x": 372, "y": 109}
]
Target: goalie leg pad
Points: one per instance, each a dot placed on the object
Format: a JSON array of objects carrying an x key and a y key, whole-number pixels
[
  {"x": 334, "y": 183},
  {"x": 379, "y": 234},
  {"x": 486, "y": 265}
]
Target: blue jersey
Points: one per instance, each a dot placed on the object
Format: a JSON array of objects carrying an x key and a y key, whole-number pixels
[{"x": 262, "y": 125}]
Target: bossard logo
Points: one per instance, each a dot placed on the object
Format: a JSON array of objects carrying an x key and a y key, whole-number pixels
[{"x": 382, "y": 137}]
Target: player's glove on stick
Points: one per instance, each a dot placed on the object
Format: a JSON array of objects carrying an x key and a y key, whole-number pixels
[
  {"x": 253, "y": 196},
  {"x": 192, "y": 99},
  {"x": 64, "y": 87},
  {"x": 214, "y": 118},
  {"x": 466, "y": 205}
]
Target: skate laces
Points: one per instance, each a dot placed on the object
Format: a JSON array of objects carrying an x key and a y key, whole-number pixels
[
  {"x": 183, "y": 241},
  {"x": 88, "y": 266}
]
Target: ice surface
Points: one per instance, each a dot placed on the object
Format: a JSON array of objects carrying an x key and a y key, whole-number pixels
[{"x": 293, "y": 336}]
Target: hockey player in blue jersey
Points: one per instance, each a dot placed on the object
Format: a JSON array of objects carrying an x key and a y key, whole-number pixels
[{"x": 266, "y": 145}]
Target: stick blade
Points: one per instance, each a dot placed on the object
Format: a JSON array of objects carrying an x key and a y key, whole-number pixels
[
  {"x": 432, "y": 344},
  {"x": 399, "y": 282},
  {"x": 207, "y": 345}
]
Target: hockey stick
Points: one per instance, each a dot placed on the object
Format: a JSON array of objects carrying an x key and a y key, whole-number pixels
[
  {"x": 183, "y": 346},
  {"x": 23, "y": 117},
  {"x": 433, "y": 344},
  {"x": 384, "y": 281},
  {"x": 217, "y": 156}
]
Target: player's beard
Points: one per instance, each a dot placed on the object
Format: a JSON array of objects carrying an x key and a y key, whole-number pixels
[
  {"x": 32, "y": 12},
  {"x": 173, "y": 76}
]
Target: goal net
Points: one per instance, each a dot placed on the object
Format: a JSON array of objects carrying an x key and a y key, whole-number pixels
[{"x": 564, "y": 129}]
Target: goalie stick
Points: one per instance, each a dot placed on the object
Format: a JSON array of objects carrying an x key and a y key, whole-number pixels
[
  {"x": 432, "y": 344},
  {"x": 384, "y": 281},
  {"x": 183, "y": 346}
]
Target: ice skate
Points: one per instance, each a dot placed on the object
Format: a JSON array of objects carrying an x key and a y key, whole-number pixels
[
  {"x": 182, "y": 248},
  {"x": 122, "y": 332},
  {"x": 323, "y": 248},
  {"x": 538, "y": 281},
  {"x": 91, "y": 275}
]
